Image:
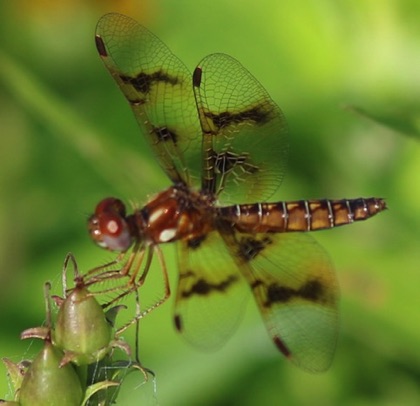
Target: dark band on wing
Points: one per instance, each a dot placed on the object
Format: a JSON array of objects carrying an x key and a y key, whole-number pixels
[
  {"x": 144, "y": 81},
  {"x": 312, "y": 290},
  {"x": 164, "y": 134},
  {"x": 100, "y": 46},
  {"x": 203, "y": 288},
  {"x": 250, "y": 247},
  {"x": 256, "y": 115}
]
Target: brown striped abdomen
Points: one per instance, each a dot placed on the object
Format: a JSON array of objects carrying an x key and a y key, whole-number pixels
[{"x": 301, "y": 215}]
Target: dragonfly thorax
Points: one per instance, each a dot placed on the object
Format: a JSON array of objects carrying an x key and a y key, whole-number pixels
[{"x": 176, "y": 213}]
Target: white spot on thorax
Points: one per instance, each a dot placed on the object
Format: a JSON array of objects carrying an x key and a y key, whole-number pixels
[
  {"x": 167, "y": 235},
  {"x": 156, "y": 214}
]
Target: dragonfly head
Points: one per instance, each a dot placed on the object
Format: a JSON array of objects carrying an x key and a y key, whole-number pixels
[{"x": 110, "y": 227}]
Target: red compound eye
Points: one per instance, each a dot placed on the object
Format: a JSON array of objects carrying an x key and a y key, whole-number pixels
[
  {"x": 108, "y": 226},
  {"x": 115, "y": 232},
  {"x": 110, "y": 204}
]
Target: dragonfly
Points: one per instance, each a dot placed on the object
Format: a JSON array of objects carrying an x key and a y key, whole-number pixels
[{"x": 222, "y": 142}]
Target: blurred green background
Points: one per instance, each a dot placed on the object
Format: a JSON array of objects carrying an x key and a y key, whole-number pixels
[{"x": 69, "y": 139}]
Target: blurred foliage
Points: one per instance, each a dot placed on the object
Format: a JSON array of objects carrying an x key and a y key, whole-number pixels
[
  {"x": 406, "y": 120},
  {"x": 69, "y": 140}
]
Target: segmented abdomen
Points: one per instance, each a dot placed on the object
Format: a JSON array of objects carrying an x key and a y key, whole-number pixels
[{"x": 301, "y": 215}]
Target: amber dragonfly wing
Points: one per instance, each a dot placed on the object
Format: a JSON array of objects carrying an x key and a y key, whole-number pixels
[
  {"x": 211, "y": 294},
  {"x": 158, "y": 88},
  {"x": 244, "y": 132},
  {"x": 292, "y": 281},
  {"x": 294, "y": 285},
  {"x": 218, "y": 125}
]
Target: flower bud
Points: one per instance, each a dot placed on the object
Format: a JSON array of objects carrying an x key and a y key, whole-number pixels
[{"x": 46, "y": 383}]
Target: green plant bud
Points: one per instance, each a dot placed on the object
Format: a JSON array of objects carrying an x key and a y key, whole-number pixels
[
  {"x": 46, "y": 383},
  {"x": 82, "y": 330}
]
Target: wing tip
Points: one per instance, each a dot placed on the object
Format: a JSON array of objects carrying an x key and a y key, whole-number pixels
[
  {"x": 178, "y": 323},
  {"x": 282, "y": 347},
  {"x": 197, "y": 76},
  {"x": 314, "y": 365},
  {"x": 100, "y": 46}
]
